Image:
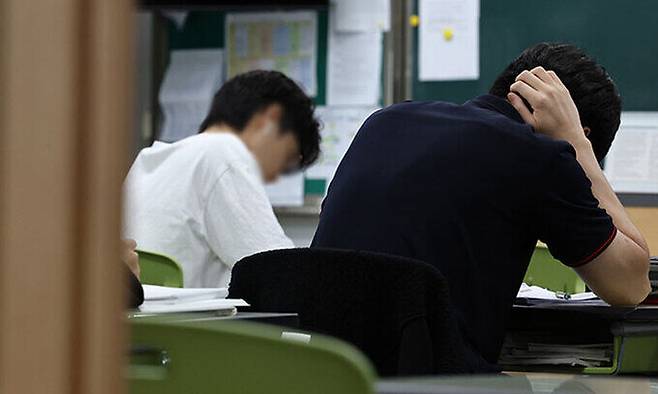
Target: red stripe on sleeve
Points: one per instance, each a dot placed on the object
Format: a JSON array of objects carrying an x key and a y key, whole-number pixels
[{"x": 598, "y": 251}]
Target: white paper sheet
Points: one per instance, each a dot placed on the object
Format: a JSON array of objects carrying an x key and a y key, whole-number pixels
[
  {"x": 632, "y": 163},
  {"x": 191, "y": 80},
  {"x": 354, "y": 68},
  {"x": 362, "y": 15},
  {"x": 225, "y": 304},
  {"x": 340, "y": 125},
  {"x": 168, "y": 294},
  {"x": 449, "y": 47},
  {"x": 282, "y": 41},
  {"x": 287, "y": 191}
]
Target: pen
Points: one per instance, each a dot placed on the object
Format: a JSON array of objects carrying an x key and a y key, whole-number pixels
[{"x": 562, "y": 295}]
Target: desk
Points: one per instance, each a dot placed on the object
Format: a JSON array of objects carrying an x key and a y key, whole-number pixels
[
  {"x": 632, "y": 332},
  {"x": 290, "y": 320},
  {"x": 519, "y": 384}
]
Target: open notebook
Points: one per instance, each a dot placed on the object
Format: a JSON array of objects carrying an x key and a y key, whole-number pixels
[
  {"x": 159, "y": 299},
  {"x": 539, "y": 293}
]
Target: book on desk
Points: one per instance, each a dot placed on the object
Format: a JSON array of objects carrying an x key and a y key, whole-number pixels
[{"x": 587, "y": 336}]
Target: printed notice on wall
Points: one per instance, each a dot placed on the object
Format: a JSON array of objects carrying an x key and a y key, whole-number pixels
[
  {"x": 361, "y": 15},
  {"x": 632, "y": 163},
  {"x": 192, "y": 78},
  {"x": 449, "y": 46},
  {"x": 281, "y": 41},
  {"x": 354, "y": 68}
]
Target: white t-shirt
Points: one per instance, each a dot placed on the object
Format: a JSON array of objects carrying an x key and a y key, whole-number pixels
[{"x": 200, "y": 200}]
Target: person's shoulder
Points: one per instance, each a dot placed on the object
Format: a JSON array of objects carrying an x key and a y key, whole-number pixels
[
  {"x": 559, "y": 151},
  {"x": 210, "y": 141},
  {"x": 411, "y": 107},
  {"x": 416, "y": 114},
  {"x": 215, "y": 148}
]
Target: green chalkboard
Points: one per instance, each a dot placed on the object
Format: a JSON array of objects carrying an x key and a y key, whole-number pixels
[{"x": 621, "y": 34}]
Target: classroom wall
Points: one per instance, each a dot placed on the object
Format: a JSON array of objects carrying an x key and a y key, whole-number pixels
[
  {"x": 646, "y": 219},
  {"x": 299, "y": 228}
]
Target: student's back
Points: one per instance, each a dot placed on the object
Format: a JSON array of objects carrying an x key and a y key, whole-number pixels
[
  {"x": 468, "y": 188},
  {"x": 182, "y": 198},
  {"x": 202, "y": 200}
]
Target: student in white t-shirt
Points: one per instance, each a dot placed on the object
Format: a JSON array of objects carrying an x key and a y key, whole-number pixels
[{"x": 201, "y": 200}]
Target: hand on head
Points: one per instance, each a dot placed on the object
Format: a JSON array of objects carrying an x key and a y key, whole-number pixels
[{"x": 553, "y": 111}]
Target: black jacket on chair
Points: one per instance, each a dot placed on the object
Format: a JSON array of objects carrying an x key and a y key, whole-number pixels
[{"x": 394, "y": 309}]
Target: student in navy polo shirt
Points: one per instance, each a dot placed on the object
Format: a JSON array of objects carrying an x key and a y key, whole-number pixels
[{"x": 471, "y": 188}]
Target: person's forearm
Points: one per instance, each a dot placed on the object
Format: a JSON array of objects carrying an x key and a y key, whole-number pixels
[{"x": 603, "y": 192}]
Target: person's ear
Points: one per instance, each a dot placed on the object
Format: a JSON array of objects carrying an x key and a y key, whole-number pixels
[
  {"x": 587, "y": 131},
  {"x": 274, "y": 112}
]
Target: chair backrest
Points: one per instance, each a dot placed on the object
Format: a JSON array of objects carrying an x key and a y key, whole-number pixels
[
  {"x": 228, "y": 357},
  {"x": 396, "y": 310},
  {"x": 158, "y": 269},
  {"x": 547, "y": 272}
]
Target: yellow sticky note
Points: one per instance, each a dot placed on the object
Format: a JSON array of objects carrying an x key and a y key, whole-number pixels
[
  {"x": 414, "y": 20},
  {"x": 448, "y": 34}
]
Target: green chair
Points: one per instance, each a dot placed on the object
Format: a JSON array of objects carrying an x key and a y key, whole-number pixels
[
  {"x": 158, "y": 269},
  {"x": 547, "y": 272},
  {"x": 229, "y": 357}
]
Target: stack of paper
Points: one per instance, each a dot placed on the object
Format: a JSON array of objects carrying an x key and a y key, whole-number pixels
[
  {"x": 652, "y": 298},
  {"x": 539, "y": 293},
  {"x": 161, "y": 293},
  {"x": 517, "y": 350},
  {"x": 158, "y": 299},
  {"x": 653, "y": 273}
]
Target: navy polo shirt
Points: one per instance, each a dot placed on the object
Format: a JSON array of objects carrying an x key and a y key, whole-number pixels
[{"x": 469, "y": 189}]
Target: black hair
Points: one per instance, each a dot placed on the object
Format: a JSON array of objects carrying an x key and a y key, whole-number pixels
[
  {"x": 591, "y": 88},
  {"x": 246, "y": 94}
]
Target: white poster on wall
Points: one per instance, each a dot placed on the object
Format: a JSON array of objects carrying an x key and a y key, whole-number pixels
[
  {"x": 362, "y": 15},
  {"x": 190, "y": 82},
  {"x": 354, "y": 68},
  {"x": 449, "y": 40},
  {"x": 631, "y": 166},
  {"x": 281, "y": 41}
]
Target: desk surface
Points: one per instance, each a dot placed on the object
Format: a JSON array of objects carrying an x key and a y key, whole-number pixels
[
  {"x": 281, "y": 319},
  {"x": 517, "y": 383},
  {"x": 596, "y": 308}
]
